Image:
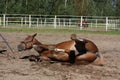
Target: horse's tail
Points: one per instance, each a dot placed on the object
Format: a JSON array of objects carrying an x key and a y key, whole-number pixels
[{"x": 99, "y": 60}]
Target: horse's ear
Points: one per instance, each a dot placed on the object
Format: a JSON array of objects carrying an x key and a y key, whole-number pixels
[{"x": 34, "y": 34}]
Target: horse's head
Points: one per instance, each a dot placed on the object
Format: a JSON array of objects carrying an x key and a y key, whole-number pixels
[{"x": 28, "y": 43}]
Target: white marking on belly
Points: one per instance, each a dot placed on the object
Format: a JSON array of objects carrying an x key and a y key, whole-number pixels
[{"x": 59, "y": 50}]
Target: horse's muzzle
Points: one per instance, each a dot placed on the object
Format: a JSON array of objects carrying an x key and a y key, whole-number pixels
[{"x": 20, "y": 48}]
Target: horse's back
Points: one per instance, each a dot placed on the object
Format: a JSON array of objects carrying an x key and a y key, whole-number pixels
[
  {"x": 90, "y": 46},
  {"x": 68, "y": 45}
]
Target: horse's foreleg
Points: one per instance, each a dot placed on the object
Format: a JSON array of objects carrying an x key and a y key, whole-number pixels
[{"x": 45, "y": 58}]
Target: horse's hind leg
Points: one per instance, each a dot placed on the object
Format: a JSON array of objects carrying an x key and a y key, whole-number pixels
[
  {"x": 99, "y": 60},
  {"x": 88, "y": 57}
]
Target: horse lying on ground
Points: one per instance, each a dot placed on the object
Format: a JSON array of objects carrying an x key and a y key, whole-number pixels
[{"x": 74, "y": 50}]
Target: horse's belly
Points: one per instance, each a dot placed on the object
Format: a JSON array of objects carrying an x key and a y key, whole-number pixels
[{"x": 61, "y": 56}]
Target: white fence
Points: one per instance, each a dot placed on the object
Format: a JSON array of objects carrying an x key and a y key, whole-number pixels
[{"x": 60, "y": 21}]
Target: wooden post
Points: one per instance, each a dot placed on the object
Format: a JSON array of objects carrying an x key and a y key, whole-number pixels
[
  {"x": 81, "y": 23},
  {"x": 4, "y": 20},
  {"x": 69, "y": 22},
  {"x": 21, "y": 21},
  {"x": 37, "y": 22},
  {"x": 29, "y": 21},
  {"x": 106, "y": 23},
  {"x": 55, "y": 22}
]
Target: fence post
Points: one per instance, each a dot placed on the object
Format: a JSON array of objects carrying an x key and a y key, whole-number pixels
[
  {"x": 37, "y": 22},
  {"x": 69, "y": 22},
  {"x": 45, "y": 23},
  {"x": 55, "y": 22},
  {"x": 96, "y": 23},
  {"x": 21, "y": 21},
  {"x": 7, "y": 21},
  {"x": 64, "y": 22},
  {"x": 81, "y": 23},
  {"x": 4, "y": 20},
  {"x": 59, "y": 21},
  {"x": 106, "y": 23},
  {"x": 41, "y": 23},
  {"x": 25, "y": 20},
  {"x": 29, "y": 21}
]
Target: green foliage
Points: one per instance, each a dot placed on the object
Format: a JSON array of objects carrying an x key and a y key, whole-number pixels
[
  {"x": 117, "y": 7},
  {"x": 91, "y": 9},
  {"x": 2, "y": 6},
  {"x": 61, "y": 7}
]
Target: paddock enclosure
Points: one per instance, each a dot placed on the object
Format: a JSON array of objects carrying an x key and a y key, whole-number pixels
[
  {"x": 14, "y": 68},
  {"x": 94, "y": 23}
]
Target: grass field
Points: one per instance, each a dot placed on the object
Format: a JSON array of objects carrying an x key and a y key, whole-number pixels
[{"x": 60, "y": 31}]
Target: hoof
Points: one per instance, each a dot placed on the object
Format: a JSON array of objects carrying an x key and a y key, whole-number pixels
[
  {"x": 52, "y": 62},
  {"x": 38, "y": 60},
  {"x": 34, "y": 58}
]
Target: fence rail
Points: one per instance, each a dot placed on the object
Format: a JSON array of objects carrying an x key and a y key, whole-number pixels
[{"x": 58, "y": 21}]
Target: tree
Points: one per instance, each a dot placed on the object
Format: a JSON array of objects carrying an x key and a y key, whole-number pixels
[
  {"x": 91, "y": 9},
  {"x": 104, "y": 7},
  {"x": 61, "y": 7},
  {"x": 109, "y": 9},
  {"x": 117, "y": 7},
  {"x": 2, "y": 6},
  {"x": 80, "y": 7},
  {"x": 64, "y": 7}
]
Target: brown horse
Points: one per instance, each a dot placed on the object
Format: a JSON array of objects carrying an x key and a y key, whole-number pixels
[
  {"x": 84, "y": 23},
  {"x": 74, "y": 50}
]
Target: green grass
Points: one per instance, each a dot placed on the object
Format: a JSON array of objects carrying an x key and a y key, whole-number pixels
[{"x": 54, "y": 31}]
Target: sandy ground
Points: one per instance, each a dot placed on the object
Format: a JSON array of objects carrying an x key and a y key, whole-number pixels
[{"x": 13, "y": 68}]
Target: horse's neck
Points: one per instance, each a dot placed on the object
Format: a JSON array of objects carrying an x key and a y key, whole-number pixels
[
  {"x": 39, "y": 47},
  {"x": 36, "y": 42}
]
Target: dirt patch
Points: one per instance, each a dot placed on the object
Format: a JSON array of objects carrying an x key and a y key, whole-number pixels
[{"x": 13, "y": 68}]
